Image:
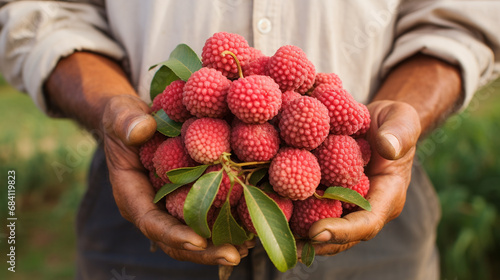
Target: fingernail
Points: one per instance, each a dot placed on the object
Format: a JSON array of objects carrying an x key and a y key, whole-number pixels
[
  {"x": 394, "y": 143},
  {"x": 323, "y": 236},
  {"x": 134, "y": 123},
  {"x": 223, "y": 261},
  {"x": 192, "y": 247}
]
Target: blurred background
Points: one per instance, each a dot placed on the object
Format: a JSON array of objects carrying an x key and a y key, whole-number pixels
[{"x": 51, "y": 158}]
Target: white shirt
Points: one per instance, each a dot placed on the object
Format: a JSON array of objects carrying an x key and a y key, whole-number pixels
[{"x": 357, "y": 39}]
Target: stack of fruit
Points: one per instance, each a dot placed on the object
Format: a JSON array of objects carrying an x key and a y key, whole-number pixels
[{"x": 256, "y": 145}]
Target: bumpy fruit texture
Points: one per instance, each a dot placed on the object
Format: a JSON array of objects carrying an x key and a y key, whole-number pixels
[
  {"x": 205, "y": 93},
  {"x": 171, "y": 154},
  {"x": 289, "y": 67},
  {"x": 224, "y": 187},
  {"x": 206, "y": 139},
  {"x": 341, "y": 161},
  {"x": 171, "y": 102},
  {"x": 156, "y": 181},
  {"x": 346, "y": 114},
  {"x": 156, "y": 106},
  {"x": 294, "y": 173},
  {"x": 174, "y": 202},
  {"x": 306, "y": 212},
  {"x": 366, "y": 121},
  {"x": 331, "y": 79},
  {"x": 287, "y": 97},
  {"x": 254, "y": 99},
  {"x": 222, "y": 41},
  {"x": 362, "y": 188},
  {"x": 258, "y": 66},
  {"x": 254, "y": 142},
  {"x": 366, "y": 151},
  {"x": 185, "y": 126},
  {"x": 309, "y": 81},
  {"x": 284, "y": 204},
  {"x": 304, "y": 123},
  {"x": 148, "y": 149}
]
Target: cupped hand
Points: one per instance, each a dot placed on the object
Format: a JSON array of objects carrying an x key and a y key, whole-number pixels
[
  {"x": 127, "y": 124},
  {"x": 393, "y": 134}
]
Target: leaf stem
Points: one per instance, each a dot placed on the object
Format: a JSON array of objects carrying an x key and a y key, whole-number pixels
[{"x": 240, "y": 72}]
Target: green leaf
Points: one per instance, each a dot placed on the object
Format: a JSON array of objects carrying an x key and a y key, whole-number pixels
[
  {"x": 199, "y": 200},
  {"x": 308, "y": 254},
  {"x": 166, "y": 189},
  {"x": 186, "y": 175},
  {"x": 165, "y": 125},
  {"x": 226, "y": 229},
  {"x": 162, "y": 78},
  {"x": 257, "y": 176},
  {"x": 347, "y": 195},
  {"x": 272, "y": 228},
  {"x": 267, "y": 187}
]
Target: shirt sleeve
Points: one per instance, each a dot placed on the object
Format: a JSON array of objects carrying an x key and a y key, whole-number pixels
[
  {"x": 463, "y": 33},
  {"x": 34, "y": 35}
]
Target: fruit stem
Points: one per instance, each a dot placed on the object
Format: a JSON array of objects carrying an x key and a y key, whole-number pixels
[{"x": 240, "y": 72}]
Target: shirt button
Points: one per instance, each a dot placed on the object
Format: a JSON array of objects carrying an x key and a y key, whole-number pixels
[{"x": 264, "y": 25}]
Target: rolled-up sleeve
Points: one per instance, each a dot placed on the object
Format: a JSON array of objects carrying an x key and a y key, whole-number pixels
[
  {"x": 34, "y": 35},
  {"x": 463, "y": 33}
]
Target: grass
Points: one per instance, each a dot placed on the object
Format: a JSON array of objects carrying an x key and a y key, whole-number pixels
[{"x": 461, "y": 158}]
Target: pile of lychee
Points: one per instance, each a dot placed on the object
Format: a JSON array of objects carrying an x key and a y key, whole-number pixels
[{"x": 243, "y": 112}]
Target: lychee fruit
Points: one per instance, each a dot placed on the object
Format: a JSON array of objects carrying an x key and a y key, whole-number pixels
[
  {"x": 287, "y": 97},
  {"x": 206, "y": 139},
  {"x": 327, "y": 79},
  {"x": 171, "y": 154},
  {"x": 294, "y": 173},
  {"x": 224, "y": 187},
  {"x": 171, "y": 102},
  {"x": 306, "y": 212},
  {"x": 205, "y": 93},
  {"x": 174, "y": 202},
  {"x": 148, "y": 149},
  {"x": 362, "y": 188},
  {"x": 309, "y": 81},
  {"x": 156, "y": 104},
  {"x": 258, "y": 66},
  {"x": 254, "y": 142},
  {"x": 222, "y": 41},
  {"x": 366, "y": 151},
  {"x": 156, "y": 181},
  {"x": 185, "y": 126},
  {"x": 366, "y": 121},
  {"x": 340, "y": 159},
  {"x": 289, "y": 67},
  {"x": 254, "y": 99},
  {"x": 284, "y": 204},
  {"x": 304, "y": 123},
  {"x": 346, "y": 116}
]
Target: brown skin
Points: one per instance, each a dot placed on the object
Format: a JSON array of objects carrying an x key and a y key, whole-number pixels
[
  {"x": 416, "y": 95},
  {"x": 94, "y": 91}
]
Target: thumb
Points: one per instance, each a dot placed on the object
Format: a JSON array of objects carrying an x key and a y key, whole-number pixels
[
  {"x": 395, "y": 128},
  {"x": 128, "y": 118}
]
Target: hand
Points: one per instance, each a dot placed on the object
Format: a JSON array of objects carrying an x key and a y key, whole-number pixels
[
  {"x": 393, "y": 134},
  {"x": 127, "y": 124}
]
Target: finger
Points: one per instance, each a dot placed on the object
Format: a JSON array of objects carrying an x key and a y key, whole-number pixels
[
  {"x": 213, "y": 255},
  {"x": 128, "y": 118},
  {"x": 396, "y": 128}
]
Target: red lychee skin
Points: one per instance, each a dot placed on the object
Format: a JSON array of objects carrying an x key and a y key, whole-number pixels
[
  {"x": 156, "y": 105},
  {"x": 205, "y": 93},
  {"x": 255, "y": 54},
  {"x": 171, "y": 102},
  {"x": 346, "y": 116},
  {"x": 148, "y": 149},
  {"x": 366, "y": 151},
  {"x": 362, "y": 188},
  {"x": 171, "y": 154},
  {"x": 222, "y": 41},
  {"x": 327, "y": 79},
  {"x": 254, "y": 99},
  {"x": 185, "y": 126},
  {"x": 341, "y": 161},
  {"x": 254, "y": 142},
  {"x": 287, "y": 97},
  {"x": 206, "y": 139},
  {"x": 310, "y": 78},
  {"x": 366, "y": 121},
  {"x": 289, "y": 67},
  {"x": 224, "y": 187},
  {"x": 258, "y": 66},
  {"x": 294, "y": 173},
  {"x": 304, "y": 123},
  {"x": 174, "y": 202},
  {"x": 156, "y": 181},
  {"x": 306, "y": 212},
  {"x": 285, "y": 204}
]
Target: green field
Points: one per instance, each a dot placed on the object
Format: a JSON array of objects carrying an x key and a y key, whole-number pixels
[{"x": 461, "y": 158}]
